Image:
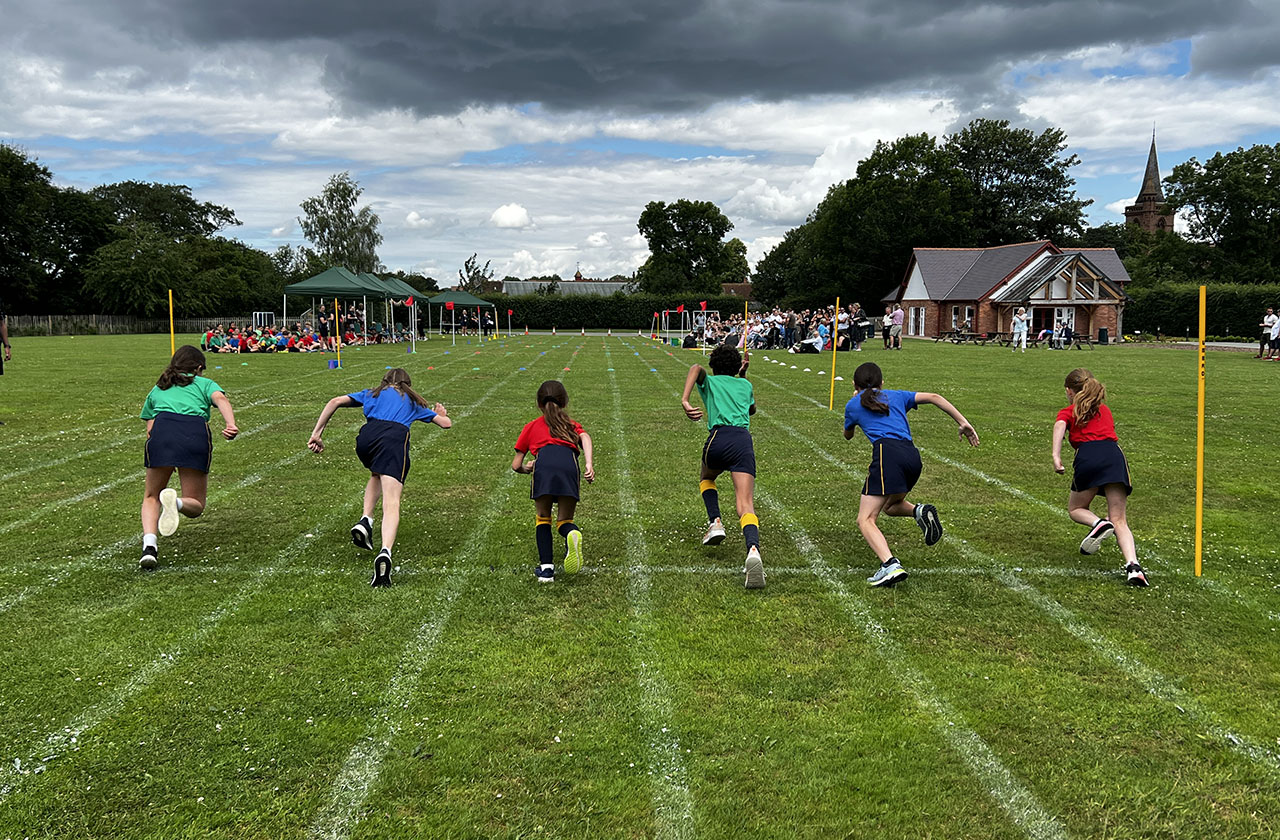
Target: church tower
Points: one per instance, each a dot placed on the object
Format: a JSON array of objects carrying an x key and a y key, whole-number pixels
[{"x": 1149, "y": 212}]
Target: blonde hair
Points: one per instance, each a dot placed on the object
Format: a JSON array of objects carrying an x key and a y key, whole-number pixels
[
  {"x": 1090, "y": 394},
  {"x": 398, "y": 378}
]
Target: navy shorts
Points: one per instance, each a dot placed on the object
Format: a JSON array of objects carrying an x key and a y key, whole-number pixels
[
  {"x": 383, "y": 448},
  {"x": 1099, "y": 463},
  {"x": 555, "y": 472},
  {"x": 729, "y": 449},
  {"x": 181, "y": 441},
  {"x": 895, "y": 468}
]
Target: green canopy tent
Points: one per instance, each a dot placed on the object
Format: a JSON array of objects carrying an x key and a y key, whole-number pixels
[
  {"x": 335, "y": 282},
  {"x": 392, "y": 288},
  {"x": 459, "y": 299}
]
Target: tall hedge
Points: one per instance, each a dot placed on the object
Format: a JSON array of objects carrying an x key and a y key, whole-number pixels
[
  {"x": 617, "y": 311},
  {"x": 1173, "y": 309}
]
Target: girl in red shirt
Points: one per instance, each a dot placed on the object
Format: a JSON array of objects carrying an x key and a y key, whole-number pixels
[
  {"x": 554, "y": 439},
  {"x": 1099, "y": 467}
]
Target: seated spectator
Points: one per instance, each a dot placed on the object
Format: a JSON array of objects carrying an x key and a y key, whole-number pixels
[{"x": 690, "y": 341}]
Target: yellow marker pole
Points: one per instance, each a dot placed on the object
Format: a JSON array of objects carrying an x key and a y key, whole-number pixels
[
  {"x": 173, "y": 347},
  {"x": 835, "y": 336},
  {"x": 1200, "y": 443},
  {"x": 337, "y": 331}
]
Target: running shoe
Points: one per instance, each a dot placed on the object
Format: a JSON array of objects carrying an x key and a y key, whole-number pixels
[
  {"x": 889, "y": 573},
  {"x": 573, "y": 556},
  {"x": 149, "y": 559},
  {"x": 1134, "y": 575},
  {"x": 362, "y": 535},
  {"x": 927, "y": 519},
  {"x": 381, "y": 570},
  {"x": 754, "y": 569},
  {"x": 168, "y": 511},
  {"x": 1096, "y": 536},
  {"x": 714, "y": 534},
  {"x": 546, "y": 573}
]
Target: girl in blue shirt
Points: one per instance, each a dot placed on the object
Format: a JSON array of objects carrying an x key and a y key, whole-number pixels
[
  {"x": 895, "y": 462},
  {"x": 383, "y": 447}
]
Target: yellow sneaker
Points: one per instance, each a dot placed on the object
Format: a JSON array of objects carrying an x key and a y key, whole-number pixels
[{"x": 573, "y": 557}]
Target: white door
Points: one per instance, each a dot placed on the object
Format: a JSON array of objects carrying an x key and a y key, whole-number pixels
[
  {"x": 1065, "y": 315},
  {"x": 917, "y": 321}
]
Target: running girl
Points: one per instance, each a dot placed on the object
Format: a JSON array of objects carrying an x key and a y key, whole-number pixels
[
  {"x": 178, "y": 438},
  {"x": 730, "y": 403},
  {"x": 559, "y": 438},
  {"x": 1099, "y": 467},
  {"x": 383, "y": 447},
  {"x": 895, "y": 462}
]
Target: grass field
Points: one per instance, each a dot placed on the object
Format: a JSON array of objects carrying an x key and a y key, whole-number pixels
[{"x": 255, "y": 686}]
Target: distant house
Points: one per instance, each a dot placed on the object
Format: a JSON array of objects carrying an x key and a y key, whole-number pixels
[
  {"x": 742, "y": 290},
  {"x": 946, "y": 288}
]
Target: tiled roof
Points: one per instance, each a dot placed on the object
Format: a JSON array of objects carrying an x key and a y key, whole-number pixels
[{"x": 1107, "y": 260}]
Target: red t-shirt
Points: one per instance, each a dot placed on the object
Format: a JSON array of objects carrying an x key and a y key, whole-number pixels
[
  {"x": 1098, "y": 427},
  {"x": 537, "y": 434}
]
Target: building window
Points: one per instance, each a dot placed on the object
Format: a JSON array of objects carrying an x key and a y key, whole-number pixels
[{"x": 955, "y": 317}]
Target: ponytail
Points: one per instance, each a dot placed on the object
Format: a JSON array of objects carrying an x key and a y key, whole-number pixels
[
  {"x": 553, "y": 399},
  {"x": 186, "y": 364},
  {"x": 1090, "y": 394},
  {"x": 398, "y": 378},
  {"x": 868, "y": 380}
]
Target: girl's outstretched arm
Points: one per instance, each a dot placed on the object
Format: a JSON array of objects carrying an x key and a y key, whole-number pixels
[
  {"x": 696, "y": 375},
  {"x": 966, "y": 428},
  {"x": 442, "y": 418},
  {"x": 315, "y": 444},
  {"x": 588, "y": 454},
  {"x": 517, "y": 463},
  {"x": 230, "y": 430},
  {"x": 1059, "y": 433}
]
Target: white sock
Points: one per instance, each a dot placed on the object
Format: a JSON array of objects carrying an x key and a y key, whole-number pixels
[
  {"x": 179, "y": 503},
  {"x": 149, "y": 541}
]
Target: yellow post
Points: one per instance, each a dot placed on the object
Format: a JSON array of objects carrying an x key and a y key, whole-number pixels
[
  {"x": 337, "y": 331},
  {"x": 835, "y": 335},
  {"x": 173, "y": 347},
  {"x": 1200, "y": 443}
]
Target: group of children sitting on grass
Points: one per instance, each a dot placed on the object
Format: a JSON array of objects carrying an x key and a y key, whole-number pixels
[
  {"x": 300, "y": 339},
  {"x": 550, "y": 446}
]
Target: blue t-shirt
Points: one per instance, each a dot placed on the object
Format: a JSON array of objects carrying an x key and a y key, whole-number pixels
[
  {"x": 392, "y": 405},
  {"x": 880, "y": 426}
]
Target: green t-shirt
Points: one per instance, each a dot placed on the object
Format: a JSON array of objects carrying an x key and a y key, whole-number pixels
[
  {"x": 194, "y": 399},
  {"x": 728, "y": 400}
]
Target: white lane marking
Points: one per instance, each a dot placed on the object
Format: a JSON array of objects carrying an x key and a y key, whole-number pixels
[
  {"x": 672, "y": 800},
  {"x": 1004, "y": 789}
]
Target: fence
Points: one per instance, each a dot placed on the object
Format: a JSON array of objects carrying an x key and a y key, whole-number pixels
[{"x": 112, "y": 324}]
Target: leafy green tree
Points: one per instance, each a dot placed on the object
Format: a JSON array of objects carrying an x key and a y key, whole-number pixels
[
  {"x": 26, "y": 190},
  {"x": 132, "y": 275},
  {"x": 420, "y": 282},
  {"x": 77, "y": 225},
  {"x": 473, "y": 277},
  {"x": 686, "y": 251},
  {"x": 1232, "y": 202},
  {"x": 1106, "y": 235},
  {"x": 165, "y": 207},
  {"x": 1021, "y": 183},
  {"x": 783, "y": 272},
  {"x": 343, "y": 235}
]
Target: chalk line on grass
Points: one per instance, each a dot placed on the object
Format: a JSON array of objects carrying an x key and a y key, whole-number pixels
[
  {"x": 1004, "y": 789},
  {"x": 672, "y": 800}
]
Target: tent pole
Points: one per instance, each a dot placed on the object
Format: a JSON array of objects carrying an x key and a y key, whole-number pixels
[
  {"x": 364, "y": 312},
  {"x": 285, "y": 304}
]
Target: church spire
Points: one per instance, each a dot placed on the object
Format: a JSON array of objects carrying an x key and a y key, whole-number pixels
[
  {"x": 1149, "y": 211},
  {"x": 1151, "y": 190}
]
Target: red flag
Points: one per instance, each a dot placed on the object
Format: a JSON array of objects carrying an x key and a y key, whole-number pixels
[
  {"x": 511, "y": 312},
  {"x": 448, "y": 304},
  {"x": 409, "y": 302},
  {"x": 703, "y": 304},
  {"x": 655, "y": 314},
  {"x": 680, "y": 308}
]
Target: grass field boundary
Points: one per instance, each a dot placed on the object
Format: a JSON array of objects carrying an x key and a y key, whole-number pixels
[
  {"x": 1004, "y": 789},
  {"x": 672, "y": 799}
]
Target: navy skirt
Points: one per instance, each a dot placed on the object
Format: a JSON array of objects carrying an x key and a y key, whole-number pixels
[
  {"x": 1099, "y": 463},
  {"x": 729, "y": 449},
  {"x": 383, "y": 448},
  {"x": 555, "y": 472},
  {"x": 181, "y": 441},
  {"x": 895, "y": 468}
]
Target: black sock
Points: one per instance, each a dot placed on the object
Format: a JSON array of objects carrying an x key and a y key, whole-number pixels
[
  {"x": 889, "y": 562},
  {"x": 711, "y": 499},
  {"x": 750, "y": 530},
  {"x": 542, "y": 535},
  {"x": 567, "y": 527}
]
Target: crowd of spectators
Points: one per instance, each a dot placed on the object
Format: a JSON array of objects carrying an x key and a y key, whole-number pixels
[
  {"x": 798, "y": 331},
  {"x": 303, "y": 337}
]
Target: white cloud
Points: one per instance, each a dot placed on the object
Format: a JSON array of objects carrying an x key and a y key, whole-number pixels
[
  {"x": 511, "y": 216},
  {"x": 599, "y": 239}
]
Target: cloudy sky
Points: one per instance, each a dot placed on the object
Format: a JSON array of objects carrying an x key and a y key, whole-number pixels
[{"x": 534, "y": 132}]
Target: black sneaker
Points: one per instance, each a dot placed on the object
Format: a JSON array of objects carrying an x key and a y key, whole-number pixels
[
  {"x": 1134, "y": 575},
  {"x": 382, "y": 570},
  {"x": 1097, "y": 536},
  {"x": 927, "y": 519},
  {"x": 362, "y": 535},
  {"x": 546, "y": 573},
  {"x": 149, "y": 559}
]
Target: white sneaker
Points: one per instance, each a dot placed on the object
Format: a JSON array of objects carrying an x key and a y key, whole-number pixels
[
  {"x": 168, "y": 511},
  {"x": 754, "y": 569},
  {"x": 715, "y": 533}
]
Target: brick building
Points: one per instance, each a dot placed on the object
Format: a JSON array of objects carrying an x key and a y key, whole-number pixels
[
  {"x": 945, "y": 288},
  {"x": 1149, "y": 211}
]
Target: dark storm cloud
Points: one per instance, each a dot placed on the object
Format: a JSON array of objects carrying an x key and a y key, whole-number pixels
[{"x": 659, "y": 55}]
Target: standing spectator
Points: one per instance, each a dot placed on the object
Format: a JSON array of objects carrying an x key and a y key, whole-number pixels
[
  {"x": 856, "y": 317},
  {"x": 895, "y": 331},
  {"x": 4, "y": 337},
  {"x": 1265, "y": 345},
  {"x": 1020, "y": 320},
  {"x": 789, "y": 331},
  {"x": 1273, "y": 352},
  {"x": 886, "y": 324}
]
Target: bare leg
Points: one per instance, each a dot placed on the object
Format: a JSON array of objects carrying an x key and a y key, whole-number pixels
[
  {"x": 1078, "y": 507},
  {"x": 897, "y": 505},
  {"x": 195, "y": 486},
  {"x": 157, "y": 479},
  {"x": 1117, "y": 500},
  {"x": 744, "y": 489},
  {"x": 372, "y": 492},
  {"x": 391, "y": 490},
  {"x": 869, "y": 508},
  {"x": 565, "y": 506}
]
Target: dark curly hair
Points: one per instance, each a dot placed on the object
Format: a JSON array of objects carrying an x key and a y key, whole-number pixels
[{"x": 725, "y": 360}]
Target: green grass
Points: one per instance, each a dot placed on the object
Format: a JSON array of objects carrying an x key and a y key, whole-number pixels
[{"x": 255, "y": 686}]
